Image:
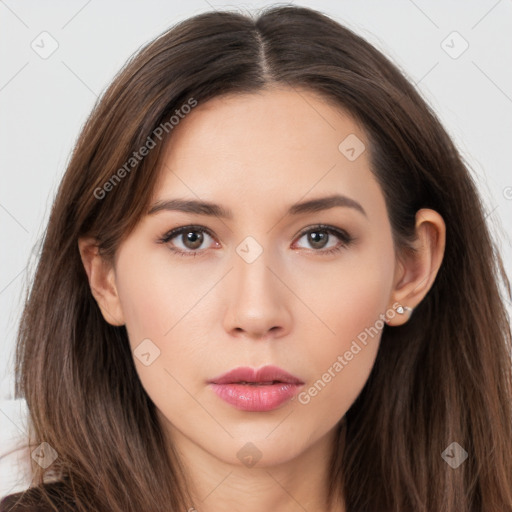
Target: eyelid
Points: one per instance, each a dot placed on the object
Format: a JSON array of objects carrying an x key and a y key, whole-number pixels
[
  {"x": 325, "y": 227},
  {"x": 180, "y": 229}
]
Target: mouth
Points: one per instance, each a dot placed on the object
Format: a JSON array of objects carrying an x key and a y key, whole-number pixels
[
  {"x": 264, "y": 376},
  {"x": 252, "y": 390}
]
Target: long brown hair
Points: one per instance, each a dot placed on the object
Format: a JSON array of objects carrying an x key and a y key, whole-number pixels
[{"x": 443, "y": 377}]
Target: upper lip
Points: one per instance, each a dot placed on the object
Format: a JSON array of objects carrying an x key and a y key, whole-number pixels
[{"x": 263, "y": 374}]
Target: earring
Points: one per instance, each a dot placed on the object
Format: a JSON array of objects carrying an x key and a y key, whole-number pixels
[{"x": 402, "y": 309}]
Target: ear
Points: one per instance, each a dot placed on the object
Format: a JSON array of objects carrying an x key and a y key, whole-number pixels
[
  {"x": 416, "y": 272},
  {"x": 101, "y": 277}
]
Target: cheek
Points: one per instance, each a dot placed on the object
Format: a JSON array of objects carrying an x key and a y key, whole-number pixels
[
  {"x": 144, "y": 304},
  {"x": 164, "y": 315},
  {"x": 155, "y": 295},
  {"x": 352, "y": 307},
  {"x": 349, "y": 297}
]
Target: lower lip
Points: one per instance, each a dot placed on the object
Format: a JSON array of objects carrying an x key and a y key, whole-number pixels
[{"x": 256, "y": 398}]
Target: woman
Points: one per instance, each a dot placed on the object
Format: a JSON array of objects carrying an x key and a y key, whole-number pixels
[{"x": 266, "y": 281}]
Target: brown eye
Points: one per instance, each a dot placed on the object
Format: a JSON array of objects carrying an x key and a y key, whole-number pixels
[
  {"x": 192, "y": 239},
  {"x": 187, "y": 240},
  {"x": 319, "y": 237}
]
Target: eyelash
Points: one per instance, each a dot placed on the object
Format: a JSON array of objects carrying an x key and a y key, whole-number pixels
[{"x": 342, "y": 235}]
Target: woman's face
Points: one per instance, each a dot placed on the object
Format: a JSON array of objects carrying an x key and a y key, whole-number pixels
[{"x": 264, "y": 285}]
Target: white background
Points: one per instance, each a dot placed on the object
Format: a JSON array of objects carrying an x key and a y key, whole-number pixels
[{"x": 44, "y": 102}]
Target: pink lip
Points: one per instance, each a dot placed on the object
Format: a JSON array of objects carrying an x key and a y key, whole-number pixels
[{"x": 271, "y": 387}]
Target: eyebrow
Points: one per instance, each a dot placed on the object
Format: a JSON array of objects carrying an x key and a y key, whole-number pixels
[{"x": 213, "y": 209}]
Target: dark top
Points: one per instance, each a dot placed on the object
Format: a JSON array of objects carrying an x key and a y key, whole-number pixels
[{"x": 32, "y": 500}]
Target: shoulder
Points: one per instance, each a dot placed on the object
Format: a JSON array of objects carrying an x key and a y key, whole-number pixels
[{"x": 32, "y": 500}]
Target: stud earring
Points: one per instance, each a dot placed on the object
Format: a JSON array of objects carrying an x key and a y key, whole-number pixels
[{"x": 402, "y": 309}]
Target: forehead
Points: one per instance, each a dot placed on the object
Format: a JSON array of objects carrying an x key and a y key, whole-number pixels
[{"x": 251, "y": 148}]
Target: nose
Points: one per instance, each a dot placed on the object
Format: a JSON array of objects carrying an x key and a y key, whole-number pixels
[{"x": 258, "y": 306}]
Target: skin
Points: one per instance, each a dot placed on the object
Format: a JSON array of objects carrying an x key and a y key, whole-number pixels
[{"x": 292, "y": 306}]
